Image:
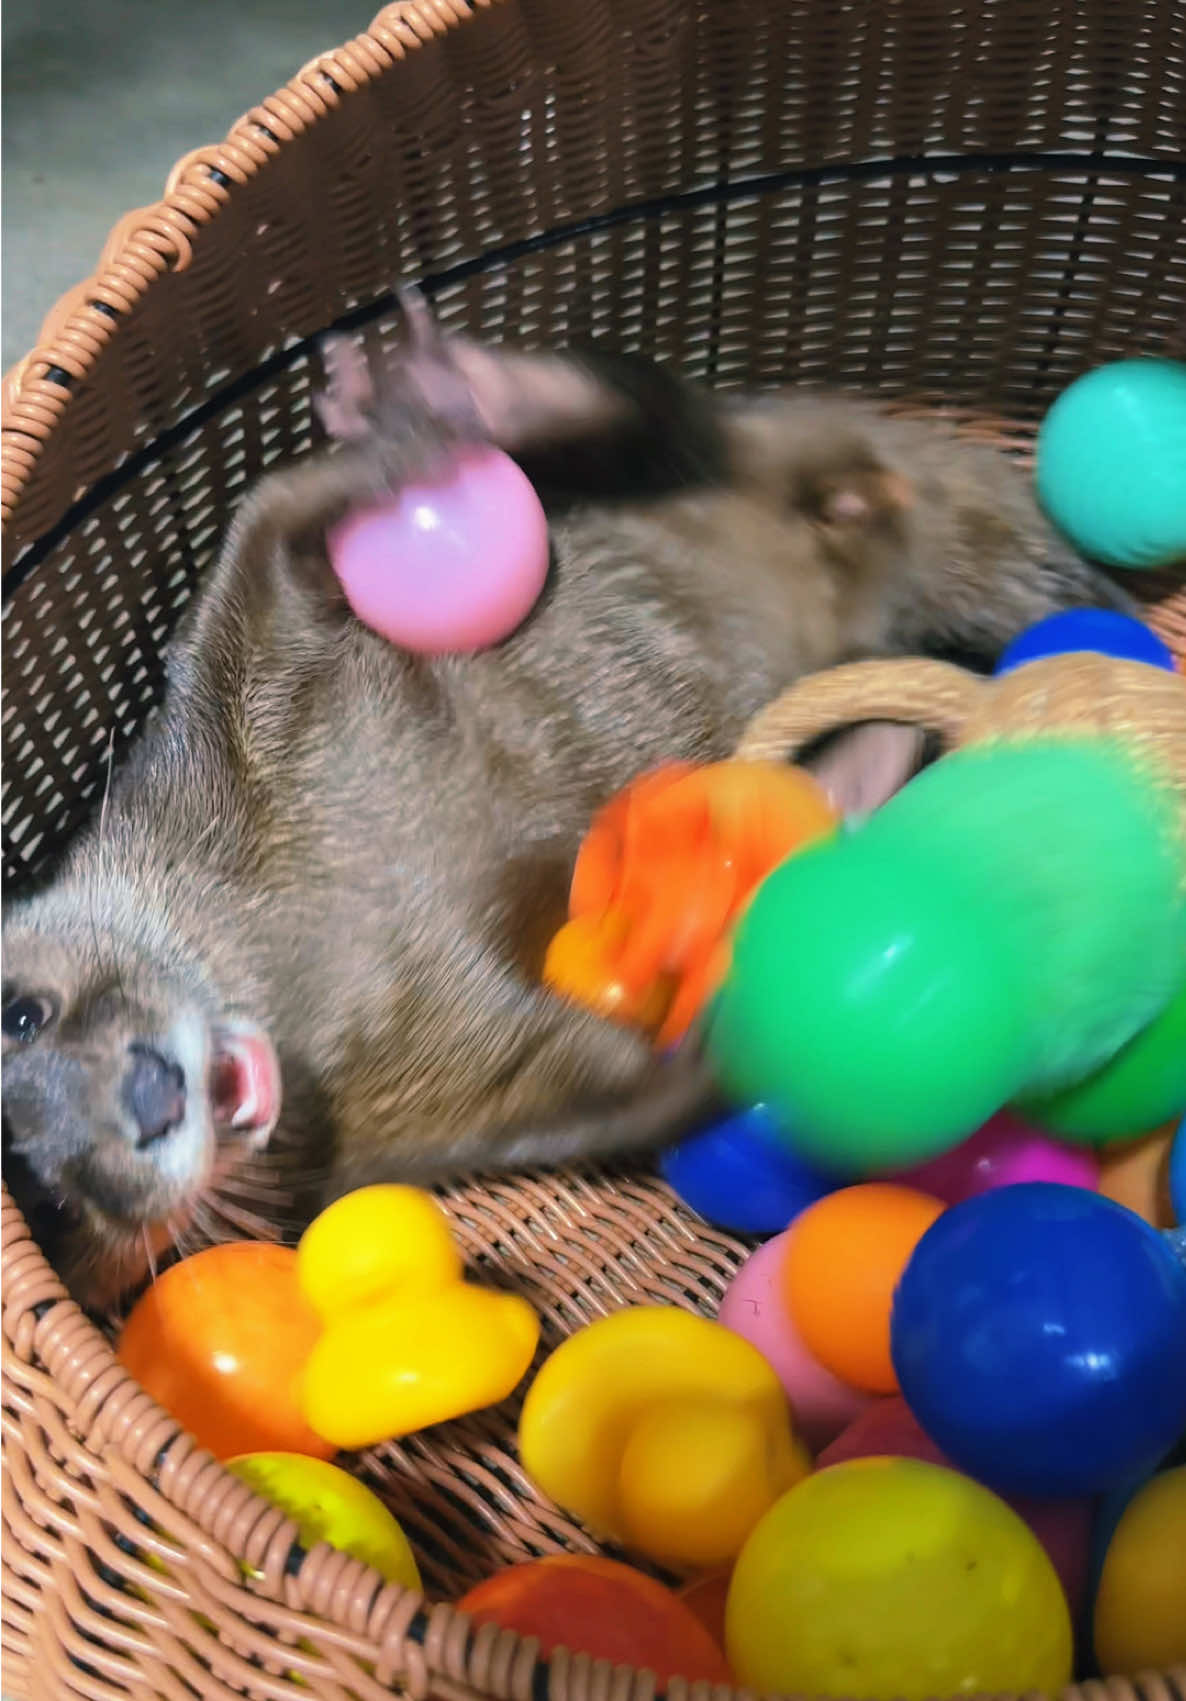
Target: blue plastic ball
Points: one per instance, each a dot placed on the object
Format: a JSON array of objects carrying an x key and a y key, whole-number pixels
[
  {"x": 1099, "y": 629},
  {"x": 1110, "y": 461},
  {"x": 739, "y": 1176},
  {"x": 1039, "y": 1336},
  {"x": 1178, "y": 1175}
]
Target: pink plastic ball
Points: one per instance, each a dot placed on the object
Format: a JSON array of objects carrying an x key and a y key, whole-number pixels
[
  {"x": 888, "y": 1427},
  {"x": 754, "y": 1308},
  {"x": 1001, "y": 1153},
  {"x": 448, "y": 566}
]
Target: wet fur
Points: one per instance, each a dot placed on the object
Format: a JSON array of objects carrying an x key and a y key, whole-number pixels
[{"x": 367, "y": 851}]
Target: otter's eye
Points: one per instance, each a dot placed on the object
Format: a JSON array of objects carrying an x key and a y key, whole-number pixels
[{"x": 23, "y": 1018}]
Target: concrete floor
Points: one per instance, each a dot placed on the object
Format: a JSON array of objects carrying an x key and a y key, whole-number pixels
[{"x": 100, "y": 100}]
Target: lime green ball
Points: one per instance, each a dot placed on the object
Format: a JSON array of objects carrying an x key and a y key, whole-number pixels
[
  {"x": 1141, "y": 1088},
  {"x": 872, "y": 1006},
  {"x": 1111, "y": 463}
]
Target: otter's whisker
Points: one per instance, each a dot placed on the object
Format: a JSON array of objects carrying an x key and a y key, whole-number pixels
[
  {"x": 114, "y": 957},
  {"x": 249, "y": 1223}
]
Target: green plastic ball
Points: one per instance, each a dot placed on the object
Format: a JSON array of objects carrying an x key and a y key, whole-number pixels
[
  {"x": 1141, "y": 1088},
  {"x": 871, "y": 1006},
  {"x": 1111, "y": 463}
]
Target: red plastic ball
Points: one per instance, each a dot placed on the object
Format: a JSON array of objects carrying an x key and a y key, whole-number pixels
[{"x": 596, "y": 1606}]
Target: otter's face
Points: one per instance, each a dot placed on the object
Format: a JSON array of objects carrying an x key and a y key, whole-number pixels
[{"x": 124, "y": 1095}]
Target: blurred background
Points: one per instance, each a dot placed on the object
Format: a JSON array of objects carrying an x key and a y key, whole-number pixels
[{"x": 100, "y": 100}]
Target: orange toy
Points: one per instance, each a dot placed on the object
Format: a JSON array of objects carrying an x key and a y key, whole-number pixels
[
  {"x": 706, "y": 1596},
  {"x": 1136, "y": 1173},
  {"x": 220, "y": 1340},
  {"x": 663, "y": 873},
  {"x": 596, "y": 1606},
  {"x": 845, "y": 1255}
]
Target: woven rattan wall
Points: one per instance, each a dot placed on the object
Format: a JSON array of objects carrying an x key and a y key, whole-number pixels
[{"x": 960, "y": 203}]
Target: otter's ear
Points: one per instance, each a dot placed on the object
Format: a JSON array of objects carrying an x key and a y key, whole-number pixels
[
  {"x": 856, "y": 494},
  {"x": 862, "y": 767}
]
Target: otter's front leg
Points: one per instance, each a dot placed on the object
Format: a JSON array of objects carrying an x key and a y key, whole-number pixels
[{"x": 557, "y": 1086}]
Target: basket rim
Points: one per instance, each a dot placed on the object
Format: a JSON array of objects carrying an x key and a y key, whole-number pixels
[
  {"x": 429, "y": 1649},
  {"x": 149, "y": 241}
]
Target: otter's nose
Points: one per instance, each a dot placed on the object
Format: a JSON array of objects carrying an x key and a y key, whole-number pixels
[{"x": 153, "y": 1093}]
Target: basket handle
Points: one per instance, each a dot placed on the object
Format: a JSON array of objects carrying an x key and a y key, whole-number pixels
[{"x": 932, "y": 694}]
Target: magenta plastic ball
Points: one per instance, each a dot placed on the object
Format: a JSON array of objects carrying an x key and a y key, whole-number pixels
[
  {"x": 889, "y": 1428},
  {"x": 448, "y": 566},
  {"x": 754, "y": 1308},
  {"x": 1003, "y": 1152}
]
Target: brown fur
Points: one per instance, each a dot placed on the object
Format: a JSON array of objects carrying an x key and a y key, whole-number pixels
[{"x": 365, "y": 852}]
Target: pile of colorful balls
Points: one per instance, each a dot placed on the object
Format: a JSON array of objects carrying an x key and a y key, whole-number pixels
[{"x": 932, "y": 1442}]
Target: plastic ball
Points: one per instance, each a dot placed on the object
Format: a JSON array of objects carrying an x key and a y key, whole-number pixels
[
  {"x": 755, "y": 1307},
  {"x": 1110, "y": 455},
  {"x": 1136, "y": 1174},
  {"x": 1177, "y": 1174},
  {"x": 1002, "y": 1153},
  {"x": 885, "y": 1578},
  {"x": 1110, "y": 1508},
  {"x": 741, "y": 1176},
  {"x": 328, "y": 1505},
  {"x": 869, "y": 1007},
  {"x": 845, "y": 1256},
  {"x": 706, "y": 1597},
  {"x": 450, "y": 565},
  {"x": 1141, "y": 1087},
  {"x": 596, "y": 1606},
  {"x": 221, "y": 1341},
  {"x": 888, "y": 1428},
  {"x": 1101, "y": 630},
  {"x": 1038, "y": 1334},
  {"x": 1140, "y": 1606}
]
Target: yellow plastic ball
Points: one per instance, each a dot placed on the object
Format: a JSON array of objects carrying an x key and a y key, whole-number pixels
[
  {"x": 1140, "y": 1606},
  {"x": 327, "y": 1505},
  {"x": 371, "y": 1241},
  {"x": 891, "y": 1578}
]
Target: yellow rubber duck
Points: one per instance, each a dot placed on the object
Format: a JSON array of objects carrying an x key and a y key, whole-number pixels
[{"x": 407, "y": 1340}]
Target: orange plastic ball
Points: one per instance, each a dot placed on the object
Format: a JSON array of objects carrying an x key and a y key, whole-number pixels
[
  {"x": 596, "y": 1606},
  {"x": 1136, "y": 1173},
  {"x": 845, "y": 1255},
  {"x": 220, "y": 1340}
]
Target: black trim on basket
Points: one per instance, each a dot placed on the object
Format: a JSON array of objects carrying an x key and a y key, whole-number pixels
[
  {"x": 737, "y": 189},
  {"x": 541, "y": 1675}
]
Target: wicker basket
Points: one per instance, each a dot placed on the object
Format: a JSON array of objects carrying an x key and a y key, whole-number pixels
[{"x": 963, "y": 206}]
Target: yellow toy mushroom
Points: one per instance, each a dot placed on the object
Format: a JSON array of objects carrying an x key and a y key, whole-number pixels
[{"x": 664, "y": 1432}]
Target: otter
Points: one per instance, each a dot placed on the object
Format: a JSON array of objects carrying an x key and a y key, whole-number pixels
[{"x": 309, "y": 919}]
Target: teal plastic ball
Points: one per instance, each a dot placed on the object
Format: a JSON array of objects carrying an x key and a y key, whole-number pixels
[
  {"x": 1111, "y": 463},
  {"x": 871, "y": 1005}
]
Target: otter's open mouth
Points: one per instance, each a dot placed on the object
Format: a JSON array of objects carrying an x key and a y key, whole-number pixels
[{"x": 244, "y": 1083}]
